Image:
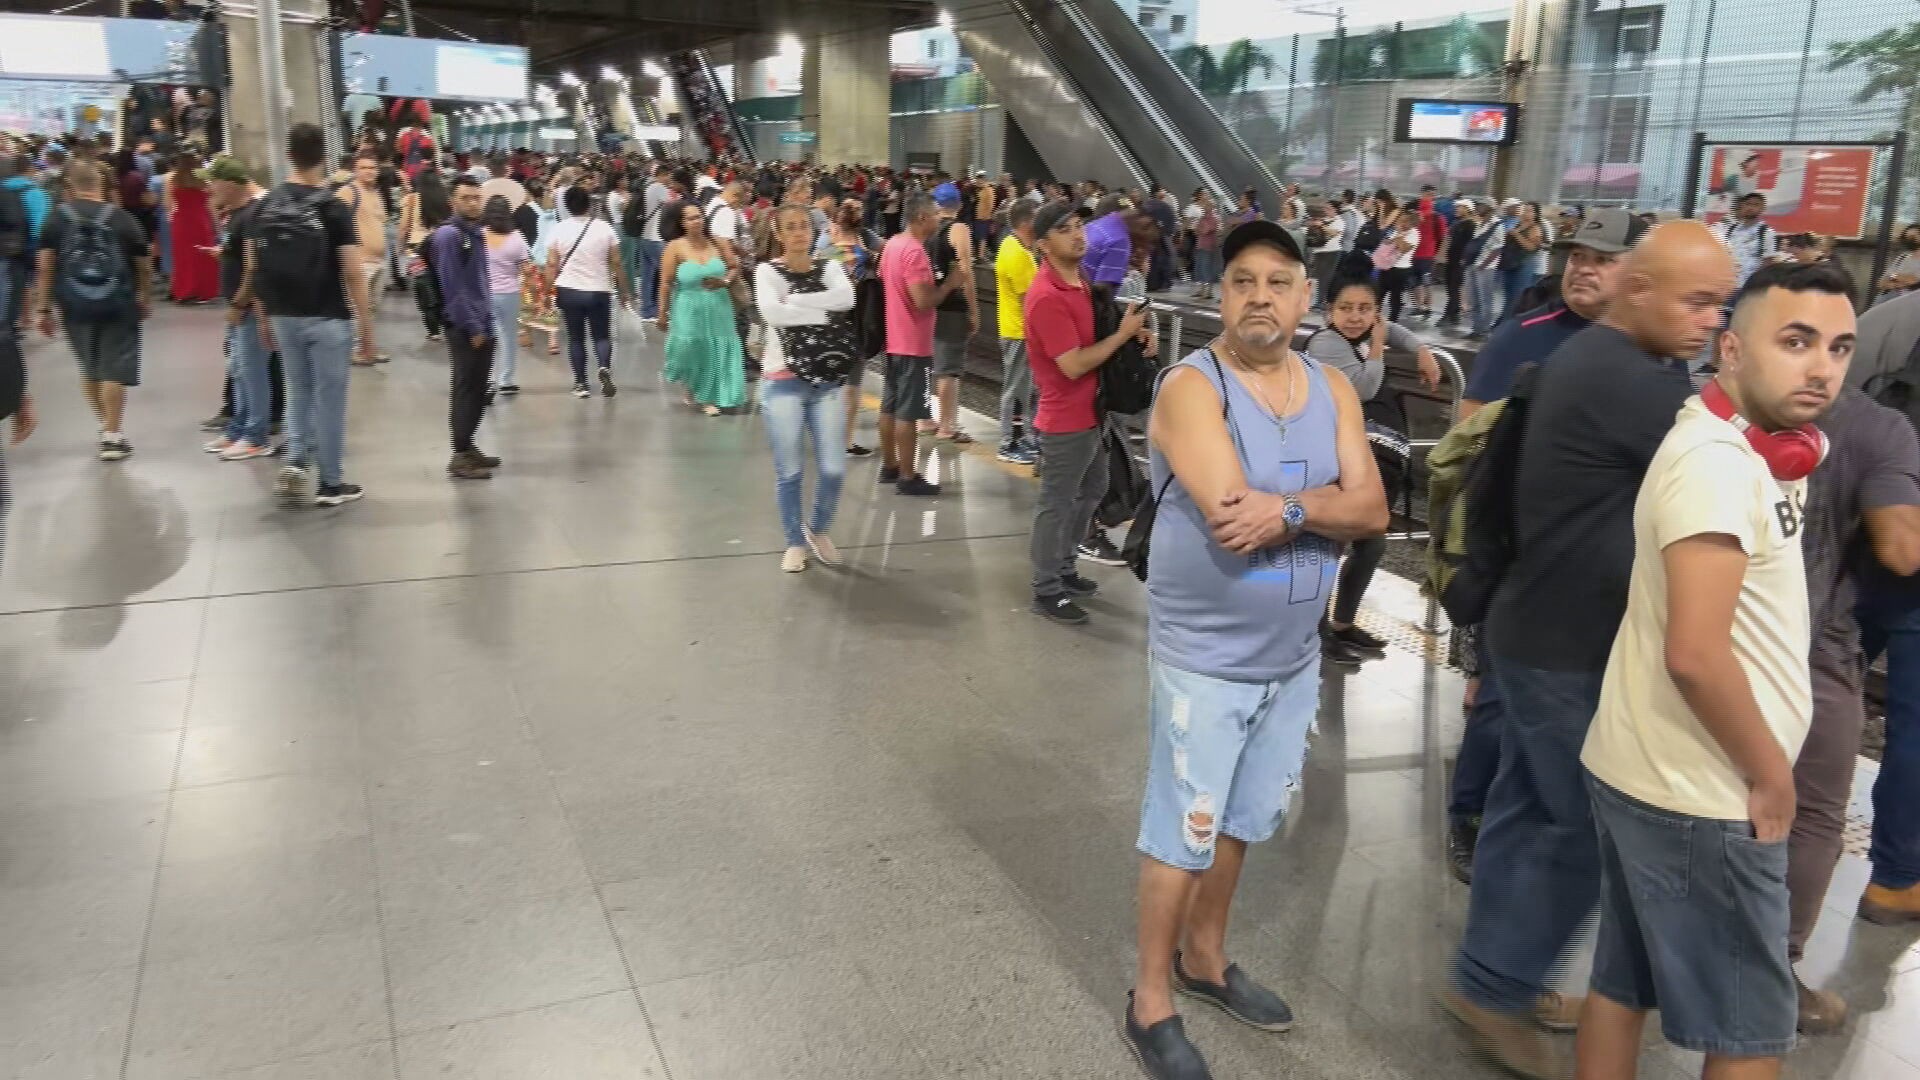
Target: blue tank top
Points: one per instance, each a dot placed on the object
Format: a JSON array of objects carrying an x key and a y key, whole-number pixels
[{"x": 1246, "y": 618}]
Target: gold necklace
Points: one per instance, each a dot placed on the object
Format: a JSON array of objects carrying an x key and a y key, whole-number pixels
[{"x": 1279, "y": 416}]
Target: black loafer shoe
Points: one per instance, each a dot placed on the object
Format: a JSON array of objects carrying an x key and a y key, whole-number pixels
[
  {"x": 1163, "y": 1050},
  {"x": 1241, "y": 998}
]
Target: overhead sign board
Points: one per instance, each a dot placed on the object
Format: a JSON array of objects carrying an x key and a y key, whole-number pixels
[
  {"x": 73, "y": 49},
  {"x": 799, "y": 137},
  {"x": 393, "y": 66}
]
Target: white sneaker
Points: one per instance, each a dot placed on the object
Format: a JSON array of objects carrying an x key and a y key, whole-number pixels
[
  {"x": 290, "y": 486},
  {"x": 794, "y": 561},
  {"x": 823, "y": 549},
  {"x": 217, "y": 446},
  {"x": 245, "y": 451}
]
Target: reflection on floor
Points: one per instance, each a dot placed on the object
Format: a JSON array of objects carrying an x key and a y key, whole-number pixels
[{"x": 558, "y": 776}]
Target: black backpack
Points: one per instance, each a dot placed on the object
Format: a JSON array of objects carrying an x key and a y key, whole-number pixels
[
  {"x": 95, "y": 284},
  {"x": 1491, "y": 529},
  {"x": 1139, "y": 542},
  {"x": 1128, "y": 378},
  {"x": 291, "y": 248},
  {"x": 1542, "y": 292},
  {"x": 13, "y": 224},
  {"x": 825, "y": 354}
]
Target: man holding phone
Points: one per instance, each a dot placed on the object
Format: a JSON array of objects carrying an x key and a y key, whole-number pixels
[{"x": 1065, "y": 357}]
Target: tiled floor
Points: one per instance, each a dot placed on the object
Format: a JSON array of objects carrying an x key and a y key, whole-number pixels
[{"x": 558, "y": 776}]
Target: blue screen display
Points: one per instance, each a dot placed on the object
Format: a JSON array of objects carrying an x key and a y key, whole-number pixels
[
  {"x": 1459, "y": 121},
  {"x": 430, "y": 68}
]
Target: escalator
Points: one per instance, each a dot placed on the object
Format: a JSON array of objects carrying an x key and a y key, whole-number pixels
[
  {"x": 1101, "y": 101},
  {"x": 716, "y": 126}
]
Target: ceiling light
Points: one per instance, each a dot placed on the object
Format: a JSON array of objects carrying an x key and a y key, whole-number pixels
[
  {"x": 567, "y": 78},
  {"x": 653, "y": 70}
]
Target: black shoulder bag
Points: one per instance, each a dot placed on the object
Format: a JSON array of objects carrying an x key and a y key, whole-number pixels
[{"x": 1139, "y": 540}]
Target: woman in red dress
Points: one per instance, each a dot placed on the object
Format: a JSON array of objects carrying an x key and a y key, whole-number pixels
[{"x": 196, "y": 272}]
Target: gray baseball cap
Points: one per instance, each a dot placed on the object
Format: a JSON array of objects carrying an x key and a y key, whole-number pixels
[{"x": 1609, "y": 231}]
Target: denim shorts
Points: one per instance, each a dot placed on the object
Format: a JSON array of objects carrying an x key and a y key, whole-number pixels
[
  {"x": 1223, "y": 755},
  {"x": 1693, "y": 923}
]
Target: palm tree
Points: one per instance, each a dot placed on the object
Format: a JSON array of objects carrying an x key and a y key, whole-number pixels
[
  {"x": 1197, "y": 63},
  {"x": 1237, "y": 65},
  {"x": 1892, "y": 62},
  {"x": 1471, "y": 49}
]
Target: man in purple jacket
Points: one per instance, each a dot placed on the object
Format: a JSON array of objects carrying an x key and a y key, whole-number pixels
[{"x": 460, "y": 263}]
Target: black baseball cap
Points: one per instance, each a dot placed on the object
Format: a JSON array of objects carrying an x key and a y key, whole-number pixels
[
  {"x": 1260, "y": 231},
  {"x": 1052, "y": 216}
]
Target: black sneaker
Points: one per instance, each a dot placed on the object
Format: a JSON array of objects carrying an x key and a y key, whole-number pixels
[
  {"x": 918, "y": 487},
  {"x": 1079, "y": 587},
  {"x": 856, "y": 450},
  {"x": 337, "y": 494},
  {"x": 485, "y": 461},
  {"x": 510, "y": 389},
  {"x": 606, "y": 382},
  {"x": 1463, "y": 836},
  {"x": 1362, "y": 642},
  {"x": 889, "y": 475},
  {"x": 1100, "y": 550},
  {"x": 216, "y": 422},
  {"x": 1060, "y": 608},
  {"x": 1163, "y": 1050},
  {"x": 1239, "y": 997},
  {"x": 1339, "y": 653}
]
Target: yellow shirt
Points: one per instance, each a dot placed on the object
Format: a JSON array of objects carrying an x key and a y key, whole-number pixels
[
  {"x": 1645, "y": 741},
  {"x": 1013, "y": 271}
]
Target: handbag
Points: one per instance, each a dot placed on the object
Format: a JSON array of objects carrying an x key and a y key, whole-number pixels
[{"x": 823, "y": 354}]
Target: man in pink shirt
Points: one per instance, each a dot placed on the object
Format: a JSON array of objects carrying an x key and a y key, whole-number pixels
[{"x": 906, "y": 275}]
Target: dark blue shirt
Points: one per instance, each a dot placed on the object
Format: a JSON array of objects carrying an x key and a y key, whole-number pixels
[
  {"x": 1531, "y": 338},
  {"x": 460, "y": 264}
]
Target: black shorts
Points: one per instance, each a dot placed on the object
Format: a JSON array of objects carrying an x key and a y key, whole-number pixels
[
  {"x": 1422, "y": 271},
  {"x": 904, "y": 395}
]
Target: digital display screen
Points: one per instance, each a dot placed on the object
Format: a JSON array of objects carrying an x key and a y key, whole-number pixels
[
  {"x": 100, "y": 50},
  {"x": 1478, "y": 123},
  {"x": 392, "y": 66}
]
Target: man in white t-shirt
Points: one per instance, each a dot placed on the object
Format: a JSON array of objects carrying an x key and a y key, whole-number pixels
[
  {"x": 653, "y": 202},
  {"x": 1707, "y": 698},
  {"x": 724, "y": 218}
]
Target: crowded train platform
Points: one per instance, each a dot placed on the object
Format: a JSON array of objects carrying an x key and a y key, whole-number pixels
[{"x": 575, "y": 594}]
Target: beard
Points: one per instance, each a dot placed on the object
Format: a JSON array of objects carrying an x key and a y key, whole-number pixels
[{"x": 1259, "y": 337}]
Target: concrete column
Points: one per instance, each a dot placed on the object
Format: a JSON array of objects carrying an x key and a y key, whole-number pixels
[
  {"x": 846, "y": 87},
  {"x": 751, "y": 74},
  {"x": 253, "y": 137}
]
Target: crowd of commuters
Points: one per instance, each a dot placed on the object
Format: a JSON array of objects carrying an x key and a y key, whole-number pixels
[{"x": 1688, "y": 465}]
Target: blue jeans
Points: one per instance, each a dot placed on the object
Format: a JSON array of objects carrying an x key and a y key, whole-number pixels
[
  {"x": 1536, "y": 870},
  {"x": 630, "y": 259},
  {"x": 247, "y": 366},
  {"x": 506, "y": 331},
  {"x": 586, "y": 312},
  {"x": 163, "y": 241},
  {"x": 1515, "y": 282},
  {"x": 1479, "y": 759},
  {"x": 1890, "y": 623},
  {"x": 1483, "y": 286},
  {"x": 795, "y": 410},
  {"x": 314, "y": 354},
  {"x": 649, "y": 279}
]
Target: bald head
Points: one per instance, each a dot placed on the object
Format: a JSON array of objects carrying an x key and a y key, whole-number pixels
[{"x": 1673, "y": 285}]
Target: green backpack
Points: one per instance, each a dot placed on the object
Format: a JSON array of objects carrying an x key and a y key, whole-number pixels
[{"x": 1448, "y": 465}]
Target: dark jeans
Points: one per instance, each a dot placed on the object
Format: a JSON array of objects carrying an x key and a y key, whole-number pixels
[
  {"x": 586, "y": 312},
  {"x": 1536, "y": 871},
  {"x": 1479, "y": 760},
  {"x": 1455, "y": 276},
  {"x": 1073, "y": 476},
  {"x": 1363, "y": 558},
  {"x": 471, "y": 368},
  {"x": 1393, "y": 289},
  {"x": 1891, "y": 624}
]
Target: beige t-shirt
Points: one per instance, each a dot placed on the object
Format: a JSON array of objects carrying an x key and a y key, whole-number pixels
[{"x": 1645, "y": 741}]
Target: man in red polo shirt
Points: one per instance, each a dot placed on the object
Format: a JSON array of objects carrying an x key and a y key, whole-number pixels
[
  {"x": 1433, "y": 238},
  {"x": 1065, "y": 356}
]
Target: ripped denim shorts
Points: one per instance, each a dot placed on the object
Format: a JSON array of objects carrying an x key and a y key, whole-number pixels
[{"x": 1225, "y": 757}]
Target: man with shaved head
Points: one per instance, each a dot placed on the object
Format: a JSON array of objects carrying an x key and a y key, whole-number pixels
[{"x": 1598, "y": 412}]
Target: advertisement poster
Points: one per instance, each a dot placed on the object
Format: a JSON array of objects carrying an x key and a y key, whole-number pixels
[{"x": 1808, "y": 188}]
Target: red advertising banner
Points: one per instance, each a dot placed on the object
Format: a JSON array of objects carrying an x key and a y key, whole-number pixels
[{"x": 1812, "y": 189}]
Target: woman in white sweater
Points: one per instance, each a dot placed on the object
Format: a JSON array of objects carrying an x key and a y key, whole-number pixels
[{"x": 798, "y": 296}]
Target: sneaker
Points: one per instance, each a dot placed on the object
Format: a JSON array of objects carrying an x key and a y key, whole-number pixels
[
  {"x": 510, "y": 389},
  {"x": 1887, "y": 907},
  {"x": 467, "y": 467},
  {"x": 856, "y": 450},
  {"x": 606, "y": 382},
  {"x": 337, "y": 494},
  {"x": 1362, "y": 642},
  {"x": 290, "y": 485},
  {"x": 889, "y": 474},
  {"x": 1556, "y": 1011},
  {"x": 1333, "y": 650},
  {"x": 580, "y": 390},
  {"x": 918, "y": 487},
  {"x": 1463, "y": 836},
  {"x": 115, "y": 449},
  {"x": 823, "y": 549},
  {"x": 1079, "y": 587},
  {"x": 1163, "y": 1050},
  {"x": 794, "y": 560},
  {"x": 1060, "y": 608},
  {"x": 245, "y": 451},
  {"x": 216, "y": 422},
  {"x": 1238, "y": 996},
  {"x": 434, "y": 335},
  {"x": 1100, "y": 550},
  {"x": 1013, "y": 452},
  {"x": 217, "y": 446},
  {"x": 1822, "y": 1012},
  {"x": 1512, "y": 1041}
]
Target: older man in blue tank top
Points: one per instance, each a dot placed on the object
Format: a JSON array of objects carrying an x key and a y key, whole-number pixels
[{"x": 1271, "y": 473}]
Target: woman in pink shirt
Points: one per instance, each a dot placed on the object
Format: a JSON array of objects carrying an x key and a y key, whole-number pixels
[{"x": 507, "y": 256}]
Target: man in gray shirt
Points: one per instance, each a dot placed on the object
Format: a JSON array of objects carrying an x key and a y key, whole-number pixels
[{"x": 657, "y": 196}]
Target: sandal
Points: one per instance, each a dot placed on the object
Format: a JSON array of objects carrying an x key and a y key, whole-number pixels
[{"x": 958, "y": 438}]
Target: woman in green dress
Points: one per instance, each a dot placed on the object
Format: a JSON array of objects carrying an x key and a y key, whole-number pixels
[{"x": 696, "y": 312}]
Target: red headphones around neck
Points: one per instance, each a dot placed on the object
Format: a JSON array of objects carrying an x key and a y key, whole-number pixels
[{"x": 1792, "y": 454}]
